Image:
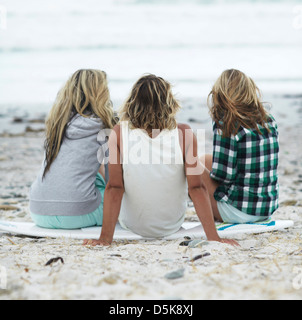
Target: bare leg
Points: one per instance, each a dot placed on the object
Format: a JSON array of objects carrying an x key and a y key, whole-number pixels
[{"x": 210, "y": 184}]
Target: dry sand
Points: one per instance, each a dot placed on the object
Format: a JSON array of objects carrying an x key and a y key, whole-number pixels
[{"x": 266, "y": 266}]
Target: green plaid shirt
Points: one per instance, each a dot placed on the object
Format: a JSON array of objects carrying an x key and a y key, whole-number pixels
[{"x": 246, "y": 166}]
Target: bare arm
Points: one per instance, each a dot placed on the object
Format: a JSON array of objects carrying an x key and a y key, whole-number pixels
[
  {"x": 197, "y": 190},
  {"x": 113, "y": 193}
]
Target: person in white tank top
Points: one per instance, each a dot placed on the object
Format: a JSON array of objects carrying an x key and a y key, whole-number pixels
[
  {"x": 153, "y": 167},
  {"x": 152, "y": 172}
]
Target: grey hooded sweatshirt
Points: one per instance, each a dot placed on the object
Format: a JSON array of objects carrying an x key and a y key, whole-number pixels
[{"x": 68, "y": 188}]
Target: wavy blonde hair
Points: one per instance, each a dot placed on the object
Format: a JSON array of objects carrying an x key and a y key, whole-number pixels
[
  {"x": 151, "y": 105},
  {"x": 235, "y": 101},
  {"x": 86, "y": 93}
]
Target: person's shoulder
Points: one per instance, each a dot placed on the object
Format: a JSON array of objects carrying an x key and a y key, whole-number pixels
[
  {"x": 272, "y": 123},
  {"x": 117, "y": 128},
  {"x": 186, "y": 134},
  {"x": 115, "y": 134},
  {"x": 183, "y": 127}
]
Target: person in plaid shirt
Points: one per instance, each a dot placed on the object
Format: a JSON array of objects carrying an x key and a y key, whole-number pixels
[{"x": 242, "y": 177}]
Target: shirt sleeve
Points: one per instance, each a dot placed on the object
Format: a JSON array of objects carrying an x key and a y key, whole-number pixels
[{"x": 224, "y": 169}]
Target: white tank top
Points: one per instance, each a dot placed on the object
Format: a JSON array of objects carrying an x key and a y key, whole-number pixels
[{"x": 155, "y": 198}]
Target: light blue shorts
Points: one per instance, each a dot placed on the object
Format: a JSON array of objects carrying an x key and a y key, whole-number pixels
[
  {"x": 230, "y": 214},
  {"x": 74, "y": 222}
]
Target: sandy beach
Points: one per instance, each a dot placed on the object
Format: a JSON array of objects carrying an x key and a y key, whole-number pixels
[
  {"x": 189, "y": 43},
  {"x": 266, "y": 266}
]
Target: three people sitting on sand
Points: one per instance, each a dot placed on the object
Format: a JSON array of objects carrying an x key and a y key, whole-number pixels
[{"x": 153, "y": 163}]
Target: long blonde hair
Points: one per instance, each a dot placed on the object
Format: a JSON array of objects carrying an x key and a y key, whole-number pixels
[
  {"x": 235, "y": 101},
  {"x": 151, "y": 105},
  {"x": 86, "y": 93}
]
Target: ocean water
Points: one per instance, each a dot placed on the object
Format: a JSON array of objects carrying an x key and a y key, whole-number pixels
[{"x": 187, "y": 42}]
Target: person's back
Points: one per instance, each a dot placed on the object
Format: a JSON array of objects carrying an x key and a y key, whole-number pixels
[
  {"x": 155, "y": 182},
  {"x": 250, "y": 182},
  {"x": 243, "y": 169},
  {"x": 68, "y": 192},
  {"x": 69, "y": 187}
]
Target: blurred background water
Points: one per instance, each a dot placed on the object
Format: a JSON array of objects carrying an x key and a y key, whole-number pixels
[{"x": 188, "y": 42}]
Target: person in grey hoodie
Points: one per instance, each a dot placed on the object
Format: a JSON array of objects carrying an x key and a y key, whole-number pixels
[{"x": 69, "y": 189}]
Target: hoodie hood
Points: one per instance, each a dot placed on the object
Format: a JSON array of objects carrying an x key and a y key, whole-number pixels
[{"x": 80, "y": 127}]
